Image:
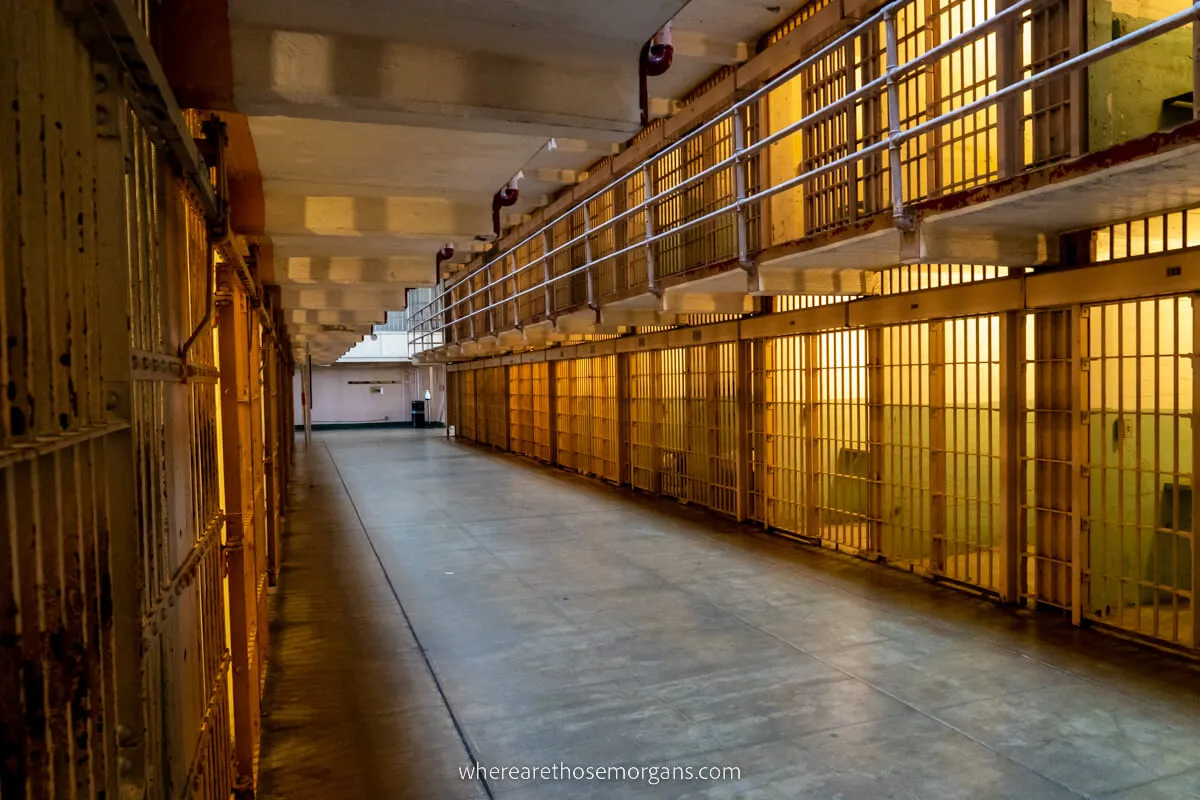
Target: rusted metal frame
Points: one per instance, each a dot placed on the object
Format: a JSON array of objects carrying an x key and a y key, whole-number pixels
[
  {"x": 258, "y": 542},
  {"x": 228, "y": 249},
  {"x": 118, "y": 554},
  {"x": 1012, "y": 438},
  {"x": 14, "y": 357},
  {"x": 183, "y": 576},
  {"x": 93, "y": 720},
  {"x": 237, "y": 448},
  {"x": 51, "y": 507},
  {"x": 208, "y": 727},
  {"x": 938, "y": 446},
  {"x": 44, "y": 446},
  {"x": 218, "y": 232},
  {"x": 275, "y": 487},
  {"x": 155, "y": 366},
  {"x": 113, "y": 33}
]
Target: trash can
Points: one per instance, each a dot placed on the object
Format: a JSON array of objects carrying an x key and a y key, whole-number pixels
[{"x": 418, "y": 413}]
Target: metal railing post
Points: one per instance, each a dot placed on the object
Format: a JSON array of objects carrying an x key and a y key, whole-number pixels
[
  {"x": 739, "y": 186},
  {"x": 472, "y": 315},
  {"x": 893, "y": 102},
  {"x": 516, "y": 287},
  {"x": 547, "y": 273},
  {"x": 491, "y": 302},
  {"x": 647, "y": 189},
  {"x": 1008, "y": 71},
  {"x": 587, "y": 257}
]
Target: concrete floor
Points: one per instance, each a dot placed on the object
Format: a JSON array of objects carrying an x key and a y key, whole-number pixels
[{"x": 569, "y": 622}]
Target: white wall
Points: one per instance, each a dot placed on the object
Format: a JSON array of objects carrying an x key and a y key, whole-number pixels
[
  {"x": 386, "y": 346},
  {"x": 338, "y": 395}
]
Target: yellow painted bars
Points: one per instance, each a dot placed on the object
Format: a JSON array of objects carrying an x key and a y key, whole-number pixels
[{"x": 1039, "y": 453}]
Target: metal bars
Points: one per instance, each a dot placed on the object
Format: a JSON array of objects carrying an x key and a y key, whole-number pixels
[
  {"x": 114, "y": 657},
  {"x": 942, "y": 99},
  {"x": 1043, "y": 457},
  {"x": 1139, "y": 535},
  {"x": 586, "y": 412}
]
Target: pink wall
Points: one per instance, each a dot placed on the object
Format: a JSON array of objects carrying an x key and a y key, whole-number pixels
[{"x": 336, "y": 399}]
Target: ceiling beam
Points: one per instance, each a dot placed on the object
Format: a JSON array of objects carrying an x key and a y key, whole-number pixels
[{"x": 345, "y": 78}]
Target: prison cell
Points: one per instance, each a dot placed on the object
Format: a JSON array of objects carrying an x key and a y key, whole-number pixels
[
  {"x": 1052, "y": 469},
  {"x": 467, "y": 408},
  {"x": 520, "y": 399},
  {"x": 543, "y": 447},
  {"x": 585, "y": 393},
  {"x": 781, "y": 444},
  {"x": 843, "y": 465},
  {"x": 970, "y": 550},
  {"x": 529, "y": 410},
  {"x": 905, "y": 442},
  {"x": 1138, "y": 530},
  {"x": 912, "y": 444},
  {"x": 115, "y": 483},
  {"x": 493, "y": 409}
]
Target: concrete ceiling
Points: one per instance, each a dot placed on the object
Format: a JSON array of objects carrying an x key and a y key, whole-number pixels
[{"x": 383, "y": 128}]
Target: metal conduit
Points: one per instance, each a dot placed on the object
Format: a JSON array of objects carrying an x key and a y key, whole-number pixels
[{"x": 894, "y": 140}]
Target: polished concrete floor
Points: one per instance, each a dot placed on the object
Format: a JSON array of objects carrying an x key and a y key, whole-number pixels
[{"x": 442, "y": 604}]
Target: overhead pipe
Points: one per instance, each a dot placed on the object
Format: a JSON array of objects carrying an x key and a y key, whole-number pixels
[
  {"x": 656, "y": 58},
  {"x": 505, "y": 198}
]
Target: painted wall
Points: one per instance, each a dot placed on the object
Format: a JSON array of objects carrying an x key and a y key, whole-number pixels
[
  {"x": 383, "y": 346},
  {"x": 342, "y": 393},
  {"x": 1126, "y": 91}
]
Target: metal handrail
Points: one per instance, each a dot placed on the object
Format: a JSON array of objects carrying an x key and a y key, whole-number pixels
[
  {"x": 892, "y": 142},
  {"x": 732, "y": 113},
  {"x": 779, "y": 80}
]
